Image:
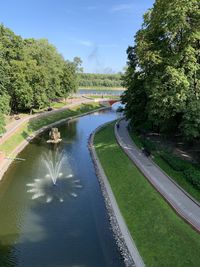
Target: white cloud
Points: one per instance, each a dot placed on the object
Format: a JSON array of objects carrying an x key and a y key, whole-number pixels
[
  {"x": 122, "y": 7},
  {"x": 86, "y": 43},
  {"x": 82, "y": 42}
]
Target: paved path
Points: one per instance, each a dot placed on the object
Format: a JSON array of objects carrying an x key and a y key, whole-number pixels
[
  {"x": 13, "y": 126},
  {"x": 181, "y": 202}
]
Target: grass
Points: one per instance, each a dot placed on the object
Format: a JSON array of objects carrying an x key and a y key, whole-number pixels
[
  {"x": 54, "y": 105},
  {"x": 177, "y": 176},
  {"x": 59, "y": 104},
  {"x": 35, "y": 124},
  {"x": 161, "y": 236}
]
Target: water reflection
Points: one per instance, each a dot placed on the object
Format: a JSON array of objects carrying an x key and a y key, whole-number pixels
[{"x": 63, "y": 225}]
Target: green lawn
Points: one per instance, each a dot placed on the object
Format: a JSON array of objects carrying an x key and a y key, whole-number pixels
[
  {"x": 177, "y": 176},
  {"x": 35, "y": 124},
  {"x": 59, "y": 104},
  {"x": 161, "y": 236}
]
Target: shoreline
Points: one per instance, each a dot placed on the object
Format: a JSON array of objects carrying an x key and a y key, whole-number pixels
[
  {"x": 102, "y": 88},
  {"x": 124, "y": 241},
  {"x": 5, "y": 163}
]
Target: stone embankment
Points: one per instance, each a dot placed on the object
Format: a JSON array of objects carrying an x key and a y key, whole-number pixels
[{"x": 122, "y": 236}]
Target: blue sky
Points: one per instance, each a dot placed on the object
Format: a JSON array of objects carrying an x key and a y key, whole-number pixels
[{"x": 99, "y": 32}]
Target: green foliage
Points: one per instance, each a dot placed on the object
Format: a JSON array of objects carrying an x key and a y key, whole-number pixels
[
  {"x": 2, "y": 124},
  {"x": 4, "y": 109},
  {"x": 152, "y": 223},
  {"x": 193, "y": 176},
  {"x": 148, "y": 145},
  {"x": 178, "y": 176},
  {"x": 35, "y": 124},
  {"x": 33, "y": 73},
  {"x": 176, "y": 163},
  {"x": 99, "y": 80},
  {"x": 69, "y": 80},
  {"x": 163, "y": 75}
]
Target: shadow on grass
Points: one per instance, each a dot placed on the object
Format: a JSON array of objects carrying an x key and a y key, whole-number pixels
[{"x": 54, "y": 116}]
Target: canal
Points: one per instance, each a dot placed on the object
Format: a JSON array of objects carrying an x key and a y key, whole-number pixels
[{"x": 62, "y": 225}]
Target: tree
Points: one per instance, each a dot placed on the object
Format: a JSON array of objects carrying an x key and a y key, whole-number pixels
[
  {"x": 4, "y": 109},
  {"x": 32, "y": 73},
  {"x": 70, "y": 77},
  {"x": 166, "y": 62}
]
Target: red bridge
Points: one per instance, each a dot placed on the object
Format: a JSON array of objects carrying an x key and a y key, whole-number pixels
[{"x": 111, "y": 102}]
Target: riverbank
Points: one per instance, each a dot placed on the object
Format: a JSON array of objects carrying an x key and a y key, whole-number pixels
[
  {"x": 100, "y": 88},
  {"x": 27, "y": 130},
  {"x": 122, "y": 236},
  {"x": 162, "y": 238}
]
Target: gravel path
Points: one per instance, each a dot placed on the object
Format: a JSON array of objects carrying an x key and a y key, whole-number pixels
[{"x": 180, "y": 201}]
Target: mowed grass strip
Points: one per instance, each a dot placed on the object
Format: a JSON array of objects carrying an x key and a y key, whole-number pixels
[
  {"x": 35, "y": 124},
  {"x": 161, "y": 236}
]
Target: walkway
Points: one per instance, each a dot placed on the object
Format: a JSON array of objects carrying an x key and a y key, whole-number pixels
[
  {"x": 13, "y": 126},
  {"x": 187, "y": 208}
]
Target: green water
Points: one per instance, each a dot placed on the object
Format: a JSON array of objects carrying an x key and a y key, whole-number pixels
[{"x": 62, "y": 225}]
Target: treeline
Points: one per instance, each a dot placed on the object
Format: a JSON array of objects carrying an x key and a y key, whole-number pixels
[
  {"x": 163, "y": 75},
  {"x": 100, "y": 80},
  {"x": 32, "y": 74}
]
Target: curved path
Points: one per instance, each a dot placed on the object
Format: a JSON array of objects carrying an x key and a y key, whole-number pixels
[
  {"x": 13, "y": 126},
  {"x": 183, "y": 204}
]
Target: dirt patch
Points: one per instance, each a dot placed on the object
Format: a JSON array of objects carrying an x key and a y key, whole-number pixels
[{"x": 177, "y": 146}]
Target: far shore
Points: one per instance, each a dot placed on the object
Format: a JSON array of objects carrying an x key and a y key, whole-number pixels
[{"x": 102, "y": 88}]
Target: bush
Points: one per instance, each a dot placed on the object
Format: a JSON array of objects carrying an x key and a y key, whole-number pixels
[
  {"x": 174, "y": 162},
  {"x": 193, "y": 176},
  {"x": 148, "y": 145}
]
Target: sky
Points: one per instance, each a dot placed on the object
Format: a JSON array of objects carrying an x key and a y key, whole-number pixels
[{"x": 97, "y": 31}]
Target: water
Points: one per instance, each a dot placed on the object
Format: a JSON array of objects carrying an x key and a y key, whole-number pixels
[
  {"x": 100, "y": 92},
  {"x": 55, "y": 226}
]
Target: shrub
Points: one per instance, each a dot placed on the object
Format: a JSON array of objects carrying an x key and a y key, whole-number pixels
[
  {"x": 193, "y": 176},
  {"x": 176, "y": 163},
  {"x": 148, "y": 145}
]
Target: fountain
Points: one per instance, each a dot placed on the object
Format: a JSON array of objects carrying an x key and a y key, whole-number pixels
[
  {"x": 54, "y": 169},
  {"x": 54, "y": 136},
  {"x": 53, "y": 163}
]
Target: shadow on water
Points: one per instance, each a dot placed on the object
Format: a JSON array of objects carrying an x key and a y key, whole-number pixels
[
  {"x": 7, "y": 256},
  {"x": 56, "y": 226}
]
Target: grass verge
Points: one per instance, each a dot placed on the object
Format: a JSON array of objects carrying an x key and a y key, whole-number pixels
[
  {"x": 161, "y": 236},
  {"x": 35, "y": 124}
]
